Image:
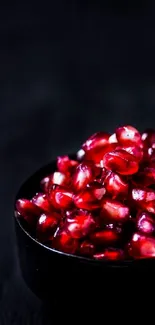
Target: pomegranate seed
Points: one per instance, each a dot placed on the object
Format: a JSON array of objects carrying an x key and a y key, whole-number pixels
[
  {"x": 97, "y": 140},
  {"x": 104, "y": 237},
  {"x": 64, "y": 242},
  {"x": 142, "y": 246},
  {"x": 148, "y": 138},
  {"x": 144, "y": 199},
  {"x": 128, "y": 136},
  {"x": 147, "y": 154},
  {"x": 114, "y": 211},
  {"x": 28, "y": 210},
  {"x": 96, "y": 146},
  {"x": 81, "y": 225},
  {"x": 136, "y": 151},
  {"x": 60, "y": 197},
  {"x": 145, "y": 223},
  {"x": 97, "y": 189},
  {"x": 47, "y": 225},
  {"x": 59, "y": 179},
  {"x": 80, "y": 155},
  {"x": 87, "y": 248},
  {"x": 112, "y": 254},
  {"x": 83, "y": 175},
  {"x": 113, "y": 139},
  {"x": 121, "y": 162},
  {"x": 44, "y": 184},
  {"x": 116, "y": 185},
  {"x": 146, "y": 177},
  {"x": 65, "y": 164},
  {"x": 86, "y": 200},
  {"x": 42, "y": 202}
]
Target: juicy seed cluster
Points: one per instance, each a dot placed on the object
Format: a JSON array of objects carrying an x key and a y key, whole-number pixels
[{"x": 102, "y": 204}]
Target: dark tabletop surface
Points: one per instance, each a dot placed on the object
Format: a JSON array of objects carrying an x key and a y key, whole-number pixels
[{"x": 66, "y": 71}]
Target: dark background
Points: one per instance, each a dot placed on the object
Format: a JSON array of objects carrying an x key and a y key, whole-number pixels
[{"x": 66, "y": 71}]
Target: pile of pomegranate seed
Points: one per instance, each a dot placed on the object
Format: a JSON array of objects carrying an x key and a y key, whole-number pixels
[{"x": 102, "y": 204}]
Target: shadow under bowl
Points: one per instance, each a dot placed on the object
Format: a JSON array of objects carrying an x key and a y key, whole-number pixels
[{"x": 67, "y": 280}]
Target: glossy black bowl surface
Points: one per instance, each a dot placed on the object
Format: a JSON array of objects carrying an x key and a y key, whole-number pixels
[{"x": 65, "y": 279}]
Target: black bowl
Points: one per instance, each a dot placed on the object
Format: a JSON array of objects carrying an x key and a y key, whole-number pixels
[{"x": 66, "y": 280}]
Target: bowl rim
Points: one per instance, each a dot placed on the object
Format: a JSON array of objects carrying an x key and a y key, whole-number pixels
[{"x": 108, "y": 263}]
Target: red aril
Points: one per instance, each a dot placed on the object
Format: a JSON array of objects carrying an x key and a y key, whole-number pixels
[
  {"x": 44, "y": 184},
  {"x": 96, "y": 146},
  {"x": 42, "y": 202},
  {"x": 47, "y": 225},
  {"x": 104, "y": 237},
  {"x": 60, "y": 197},
  {"x": 86, "y": 200},
  {"x": 65, "y": 164},
  {"x": 120, "y": 162},
  {"x": 28, "y": 210},
  {"x": 96, "y": 141},
  {"x": 136, "y": 151},
  {"x": 148, "y": 137},
  {"x": 87, "y": 248},
  {"x": 128, "y": 136},
  {"x": 80, "y": 155},
  {"x": 114, "y": 211},
  {"x": 83, "y": 175},
  {"x": 64, "y": 242},
  {"x": 59, "y": 178},
  {"x": 142, "y": 246},
  {"x": 116, "y": 185},
  {"x": 145, "y": 223},
  {"x": 144, "y": 198},
  {"x": 112, "y": 254},
  {"x": 113, "y": 139},
  {"x": 81, "y": 225},
  {"x": 97, "y": 189}
]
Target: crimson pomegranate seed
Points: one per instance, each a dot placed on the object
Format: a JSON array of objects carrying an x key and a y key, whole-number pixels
[
  {"x": 59, "y": 178},
  {"x": 80, "y": 225},
  {"x": 112, "y": 254},
  {"x": 144, "y": 199},
  {"x": 60, "y": 197},
  {"x": 128, "y": 136},
  {"x": 28, "y": 210},
  {"x": 96, "y": 146},
  {"x": 114, "y": 211},
  {"x": 142, "y": 246},
  {"x": 116, "y": 185},
  {"x": 136, "y": 151},
  {"x": 65, "y": 164},
  {"x": 42, "y": 202},
  {"x": 148, "y": 138},
  {"x": 104, "y": 237},
  {"x": 121, "y": 162},
  {"x": 145, "y": 223},
  {"x": 86, "y": 200},
  {"x": 87, "y": 248},
  {"x": 64, "y": 242},
  {"x": 97, "y": 189},
  {"x": 44, "y": 184},
  {"x": 83, "y": 175},
  {"x": 100, "y": 204},
  {"x": 47, "y": 225}
]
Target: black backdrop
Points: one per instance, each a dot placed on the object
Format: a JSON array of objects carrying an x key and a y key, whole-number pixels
[{"x": 66, "y": 71}]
